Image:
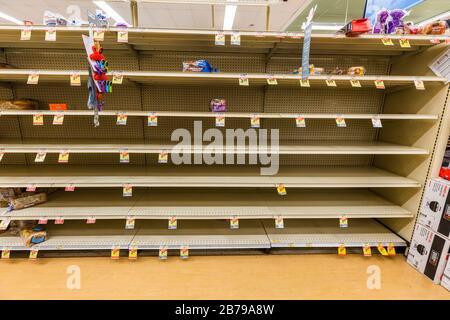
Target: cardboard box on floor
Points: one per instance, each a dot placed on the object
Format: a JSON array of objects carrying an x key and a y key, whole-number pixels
[
  {"x": 445, "y": 282},
  {"x": 435, "y": 209},
  {"x": 428, "y": 252}
]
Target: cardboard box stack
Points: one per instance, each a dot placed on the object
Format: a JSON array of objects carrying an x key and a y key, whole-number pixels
[{"x": 430, "y": 246}]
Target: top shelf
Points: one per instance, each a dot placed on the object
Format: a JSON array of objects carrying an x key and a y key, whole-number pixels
[{"x": 285, "y": 43}]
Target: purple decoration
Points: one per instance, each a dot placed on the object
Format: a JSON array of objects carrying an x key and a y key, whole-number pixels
[
  {"x": 396, "y": 20},
  {"x": 380, "y": 23}
]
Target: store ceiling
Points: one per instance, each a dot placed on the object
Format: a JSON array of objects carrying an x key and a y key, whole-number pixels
[{"x": 209, "y": 14}]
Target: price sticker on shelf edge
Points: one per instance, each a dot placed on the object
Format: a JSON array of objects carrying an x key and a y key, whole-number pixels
[
  {"x": 43, "y": 221},
  {"x": 6, "y": 253},
  {"x": 382, "y": 250},
  {"x": 343, "y": 222},
  {"x": 33, "y": 78},
  {"x": 69, "y": 188},
  {"x": 132, "y": 253},
  {"x": 130, "y": 222},
  {"x": 220, "y": 39},
  {"x": 304, "y": 83},
  {"x": 122, "y": 119},
  {"x": 63, "y": 157},
  {"x": 300, "y": 122},
  {"x": 184, "y": 252},
  {"x": 99, "y": 35},
  {"x": 331, "y": 83},
  {"x": 127, "y": 190},
  {"x": 75, "y": 79},
  {"x": 419, "y": 84},
  {"x": 117, "y": 78},
  {"x": 25, "y": 34},
  {"x": 91, "y": 220},
  {"x": 379, "y": 84},
  {"x": 234, "y": 223},
  {"x": 243, "y": 80},
  {"x": 59, "y": 220},
  {"x": 163, "y": 157},
  {"x": 435, "y": 41},
  {"x": 4, "y": 223},
  {"x": 33, "y": 254},
  {"x": 173, "y": 223},
  {"x": 50, "y": 35},
  {"x": 295, "y": 35},
  {"x": 281, "y": 189},
  {"x": 58, "y": 119},
  {"x": 404, "y": 43},
  {"x": 271, "y": 80},
  {"x": 391, "y": 250},
  {"x": 220, "y": 120},
  {"x": 122, "y": 36},
  {"x": 376, "y": 122},
  {"x": 447, "y": 40},
  {"x": 2, "y": 154},
  {"x": 40, "y": 157},
  {"x": 387, "y": 41},
  {"x": 340, "y": 122},
  {"x": 367, "y": 250},
  {"x": 163, "y": 253},
  {"x": 279, "y": 222},
  {"x": 115, "y": 253},
  {"x": 355, "y": 83},
  {"x": 342, "y": 250},
  {"x": 235, "y": 39},
  {"x": 124, "y": 156},
  {"x": 31, "y": 188},
  {"x": 38, "y": 119},
  {"x": 255, "y": 121},
  {"x": 152, "y": 120}
]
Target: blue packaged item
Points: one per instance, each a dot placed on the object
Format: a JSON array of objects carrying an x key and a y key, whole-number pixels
[{"x": 198, "y": 66}]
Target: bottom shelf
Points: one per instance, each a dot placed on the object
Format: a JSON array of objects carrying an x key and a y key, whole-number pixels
[{"x": 211, "y": 234}]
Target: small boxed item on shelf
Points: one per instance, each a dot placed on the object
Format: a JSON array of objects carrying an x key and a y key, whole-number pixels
[
  {"x": 435, "y": 209},
  {"x": 356, "y": 71},
  {"x": 445, "y": 281},
  {"x": 27, "y": 201},
  {"x": 428, "y": 253},
  {"x": 7, "y": 194},
  {"x": 218, "y": 105},
  {"x": 357, "y": 27},
  {"x": 198, "y": 66},
  {"x": 313, "y": 71},
  {"x": 32, "y": 236}
]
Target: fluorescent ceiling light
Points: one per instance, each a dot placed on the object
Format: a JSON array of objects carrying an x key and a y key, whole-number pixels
[
  {"x": 440, "y": 16},
  {"x": 111, "y": 12},
  {"x": 9, "y": 18},
  {"x": 323, "y": 26},
  {"x": 228, "y": 20}
]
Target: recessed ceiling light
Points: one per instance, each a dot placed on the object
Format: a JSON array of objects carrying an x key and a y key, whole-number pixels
[
  {"x": 9, "y": 18},
  {"x": 230, "y": 13}
]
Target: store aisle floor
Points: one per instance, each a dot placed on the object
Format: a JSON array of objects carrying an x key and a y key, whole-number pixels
[{"x": 215, "y": 277}]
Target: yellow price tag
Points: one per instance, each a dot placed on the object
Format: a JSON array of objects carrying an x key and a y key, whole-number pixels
[
  {"x": 173, "y": 223},
  {"x": 33, "y": 254},
  {"x": 304, "y": 83},
  {"x": 419, "y": 84},
  {"x": 63, "y": 157},
  {"x": 75, "y": 80},
  {"x": 281, "y": 189},
  {"x": 271, "y": 80},
  {"x": 340, "y": 122},
  {"x": 382, "y": 250},
  {"x": 122, "y": 36},
  {"x": 6, "y": 253},
  {"x": 243, "y": 80},
  {"x": 367, "y": 250},
  {"x": 33, "y": 78},
  {"x": 38, "y": 120},
  {"x": 124, "y": 157},
  {"x": 379, "y": 84},
  {"x": 127, "y": 190},
  {"x": 58, "y": 119},
  {"x": 342, "y": 251},
  {"x": 184, "y": 252},
  {"x": 355, "y": 83},
  {"x": 25, "y": 34},
  {"x": 279, "y": 222},
  {"x": 152, "y": 120},
  {"x": 391, "y": 250},
  {"x": 163, "y": 253},
  {"x": 220, "y": 120},
  {"x": 220, "y": 39},
  {"x": 300, "y": 122},
  {"x": 130, "y": 222},
  {"x": 343, "y": 222},
  {"x": 117, "y": 78},
  {"x": 163, "y": 157},
  {"x": 132, "y": 253},
  {"x": 99, "y": 35},
  {"x": 122, "y": 119},
  {"x": 331, "y": 83},
  {"x": 387, "y": 41},
  {"x": 115, "y": 253},
  {"x": 234, "y": 223},
  {"x": 254, "y": 121},
  {"x": 404, "y": 43}
]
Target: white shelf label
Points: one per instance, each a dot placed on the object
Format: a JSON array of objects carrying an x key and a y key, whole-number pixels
[
  {"x": 124, "y": 156},
  {"x": 379, "y": 84},
  {"x": 152, "y": 120},
  {"x": 33, "y": 254},
  {"x": 243, "y": 80},
  {"x": 63, "y": 157},
  {"x": 163, "y": 157},
  {"x": 31, "y": 188},
  {"x": 235, "y": 39},
  {"x": 25, "y": 34},
  {"x": 117, "y": 78},
  {"x": 220, "y": 120},
  {"x": 234, "y": 223},
  {"x": 127, "y": 190},
  {"x": 376, "y": 122},
  {"x": 255, "y": 121},
  {"x": 6, "y": 253},
  {"x": 2, "y": 154},
  {"x": 331, "y": 83},
  {"x": 33, "y": 78},
  {"x": 387, "y": 41},
  {"x": 300, "y": 122},
  {"x": 99, "y": 35},
  {"x": 58, "y": 119},
  {"x": 304, "y": 83},
  {"x": 43, "y": 221},
  {"x": 69, "y": 188},
  {"x": 419, "y": 84},
  {"x": 50, "y": 35},
  {"x": 122, "y": 36},
  {"x": 220, "y": 39},
  {"x": 130, "y": 222},
  {"x": 91, "y": 220},
  {"x": 271, "y": 80},
  {"x": 279, "y": 222},
  {"x": 40, "y": 157},
  {"x": 343, "y": 222},
  {"x": 355, "y": 83},
  {"x": 340, "y": 122},
  {"x": 4, "y": 224},
  {"x": 59, "y": 220},
  {"x": 163, "y": 253},
  {"x": 184, "y": 252},
  {"x": 404, "y": 43},
  {"x": 75, "y": 79},
  {"x": 38, "y": 119},
  {"x": 122, "y": 119},
  {"x": 173, "y": 223}
]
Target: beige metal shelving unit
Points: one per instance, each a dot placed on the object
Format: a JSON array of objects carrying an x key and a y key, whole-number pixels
[{"x": 360, "y": 172}]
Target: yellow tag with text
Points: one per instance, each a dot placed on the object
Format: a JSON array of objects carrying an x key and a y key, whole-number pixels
[
  {"x": 342, "y": 251},
  {"x": 124, "y": 157},
  {"x": 38, "y": 120},
  {"x": 419, "y": 84},
  {"x": 340, "y": 122},
  {"x": 331, "y": 83},
  {"x": 391, "y": 249},
  {"x": 379, "y": 84},
  {"x": 122, "y": 36},
  {"x": 117, "y": 78},
  {"x": 50, "y": 35},
  {"x": 33, "y": 254},
  {"x": 58, "y": 119},
  {"x": 234, "y": 223},
  {"x": 281, "y": 189},
  {"x": 304, "y": 83},
  {"x": 220, "y": 120},
  {"x": 122, "y": 119},
  {"x": 152, "y": 120},
  {"x": 343, "y": 222},
  {"x": 387, "y": 41},
  {"x": 367, "y": 250},
  {"x": 6, "y": 254},
  {"x": 173, "y": 223},
  {"x": 300, "y": 122},
  {"x": 75, "y": 80},
  {"x": 184, "y": 252},
  {"x": 382, "y": 250},
  {"x": 163, "y": 253},
  {"x": 40, "y": 157},
  {"x": 99, "y": 35},
  {"x": 129, "y": 223},
  {"x": 163, "y": 157},
  {"x": 33, "y": 78},
  {"x": 254, "y": 121},
  {"x": 404, "y": 43},
  {"x": 355, "y": 83},
  {"x": 271, "y": 80},
  {"x": 127, "y": 190},
  {"x": 132, "y": 253},
  {"x": 63, "y": 157},
  {"x": 25, "y": 34},
  {"x": 220, "y": 39},
  {"x": 243, "y": 80},
  {"x": 115, "y": 253}
]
